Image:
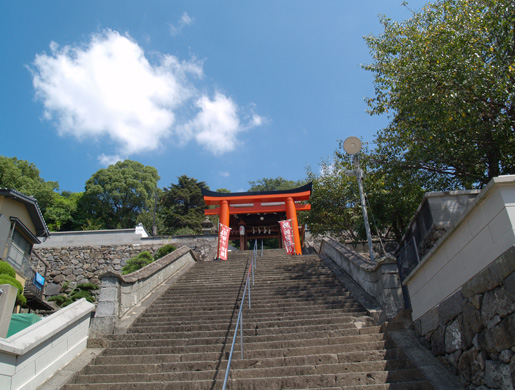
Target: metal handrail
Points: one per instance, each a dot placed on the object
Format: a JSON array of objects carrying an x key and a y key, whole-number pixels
[{"x": 247, "y": 287}]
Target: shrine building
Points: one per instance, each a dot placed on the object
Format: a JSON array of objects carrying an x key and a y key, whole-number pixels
[{"x": 255, "y": 215}]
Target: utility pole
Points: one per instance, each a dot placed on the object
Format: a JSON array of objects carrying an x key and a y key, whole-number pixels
[{"x": 352, "y": 146}]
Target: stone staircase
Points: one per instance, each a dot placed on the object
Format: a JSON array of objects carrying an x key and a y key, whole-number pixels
[{"x": 303, "y": 331}]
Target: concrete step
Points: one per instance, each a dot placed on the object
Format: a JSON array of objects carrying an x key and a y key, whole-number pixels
[
  {"x": 318, "y": 330},
  {"x": 278, "y": 367},
  {"x": 358, "y": 380},
  {"x": 208, "y": 323},
  {"x": 168, "y": 363},
  {"x": 303, "y": 331},
  {"x": 277, "y": 341},
  {"x": 254, "y": 313},
  {"x": 264, "y": 349},
  {"x": 344, "y": 322},
  {"x": 386, "y": 371},
  {"x": 341, "y": 357},
  {"x": 257, "y": 303},
  {"x": 262, "y": 384}
]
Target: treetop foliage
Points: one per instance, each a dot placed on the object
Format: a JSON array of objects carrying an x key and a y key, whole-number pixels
[
  {"x": 23, "y": 176},
  {"x": 447, "y": 77},
  {"x": 274, "y": 184},
  {"x": 118, "y": 194},
  {"x": 182, "y": 206}
]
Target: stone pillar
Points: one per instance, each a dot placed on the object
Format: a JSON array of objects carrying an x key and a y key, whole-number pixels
[
  {"x": 107, "y": 312},
  {"x": 8, "y": 295},
  {"x": 290, "y": 209}
]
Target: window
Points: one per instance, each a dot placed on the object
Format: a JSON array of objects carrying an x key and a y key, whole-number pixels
[{"x": 19, "y": 251}]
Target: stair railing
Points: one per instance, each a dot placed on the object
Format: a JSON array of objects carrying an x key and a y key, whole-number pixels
[{"x": 247, "y": 287}]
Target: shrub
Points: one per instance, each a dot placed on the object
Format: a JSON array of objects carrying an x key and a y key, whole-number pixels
[
  {"x": 7, "y": 279},
  {"x": 88, "y": 286},
  {"x": 59, "y": 299},
  {"x": 67, "y": 297},
  {"x": 78, "y": 294},
  {"x": 137, "y": 262},
  {"x": 185, "y": 231},
  {"x": 164, "y": 250},
  {"x": 7, "y": 269}
]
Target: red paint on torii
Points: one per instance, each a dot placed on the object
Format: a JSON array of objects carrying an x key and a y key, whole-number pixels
[{"x": 260, "y": 202}]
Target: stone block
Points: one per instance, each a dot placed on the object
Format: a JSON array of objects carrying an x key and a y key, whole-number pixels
[
  {"x": 498, "y": 376},
  {"x": 437, "y": 341},
  {"x": 429, "y": 321},
  {"x": 109, "y": 294},
  {"x": 106, "y": 309},
  {"x": 59, "y": 278},
  {"x": 102, "y": 325},
  {"x": 468, "y": 366},
  {"x": 505, "y": 356},
  {"x": 497, "y": 302},
  {"x": 471, "y": 324},
  {"x": 476, "y": 300},
  {"x": 498, "y": 338},
  {"x": 451, "y": 307},
  {"x": 509, "y": 285},
  {"x": 492, "y": 276},
  {"x": 453, "y": 337}
]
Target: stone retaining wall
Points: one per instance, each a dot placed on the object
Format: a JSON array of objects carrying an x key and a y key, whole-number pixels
[
  {"x": 473, "y": 331},
  {"x": 82, "y": 264}
]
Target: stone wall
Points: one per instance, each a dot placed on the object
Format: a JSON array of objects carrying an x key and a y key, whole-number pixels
[
  {"x": 124, "y": 295},
  {"x": 472, "y": 332},
  {"x": 82, "y": 264},
  {"x": 379, "y": 279}
]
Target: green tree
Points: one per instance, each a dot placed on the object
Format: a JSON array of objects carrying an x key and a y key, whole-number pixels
[
  {"x": 62, "y": 213},
  {"x": 182, "y": 206},
  {"x": 23, "y": 176},
  {"x": 115, "y": 196},
  {"x": 447, "y": 77},
  {"x": 335, "y": 200},
  {"x": 274, "y": 184}
]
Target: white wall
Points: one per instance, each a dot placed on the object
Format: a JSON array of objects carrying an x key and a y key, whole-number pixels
[
  {"x": 30, "y": 357},
  {"x": 481, "y": 235}
]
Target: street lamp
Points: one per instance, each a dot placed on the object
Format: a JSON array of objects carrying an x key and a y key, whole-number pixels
[{"x": 352, "y": 146}]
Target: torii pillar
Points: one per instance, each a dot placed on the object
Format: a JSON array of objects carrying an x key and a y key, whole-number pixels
[
  {"x": 291, "y": 214},
  {"x": 224, "y": 213}
]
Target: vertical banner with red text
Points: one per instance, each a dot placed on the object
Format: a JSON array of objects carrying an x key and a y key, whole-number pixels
[
  {"x": 223, "y": 242},
  {"x": 287, "y": 235}
]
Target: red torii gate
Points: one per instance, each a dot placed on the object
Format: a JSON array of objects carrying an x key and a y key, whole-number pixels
[{"x": 260, "y": 202}]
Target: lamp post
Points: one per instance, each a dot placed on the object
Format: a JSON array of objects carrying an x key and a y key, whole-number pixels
[{"x": 352, "y": 146}]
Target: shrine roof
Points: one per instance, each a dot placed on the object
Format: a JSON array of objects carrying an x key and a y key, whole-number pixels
[{"x": 298, "y": 194}]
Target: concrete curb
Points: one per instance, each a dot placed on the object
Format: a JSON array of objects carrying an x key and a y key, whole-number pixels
[{"x": 431, "y": 368}]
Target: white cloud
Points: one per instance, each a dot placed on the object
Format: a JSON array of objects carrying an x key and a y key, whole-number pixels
[
  {"x": 109, "y": 88},
  {"x": 109, "y": 160},
  {"x": 184, "y": 20},
  {"x": 217, "y": 124}
]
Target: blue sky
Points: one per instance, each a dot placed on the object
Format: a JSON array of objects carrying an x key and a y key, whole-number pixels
[{"x": 226, "y": 92}]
